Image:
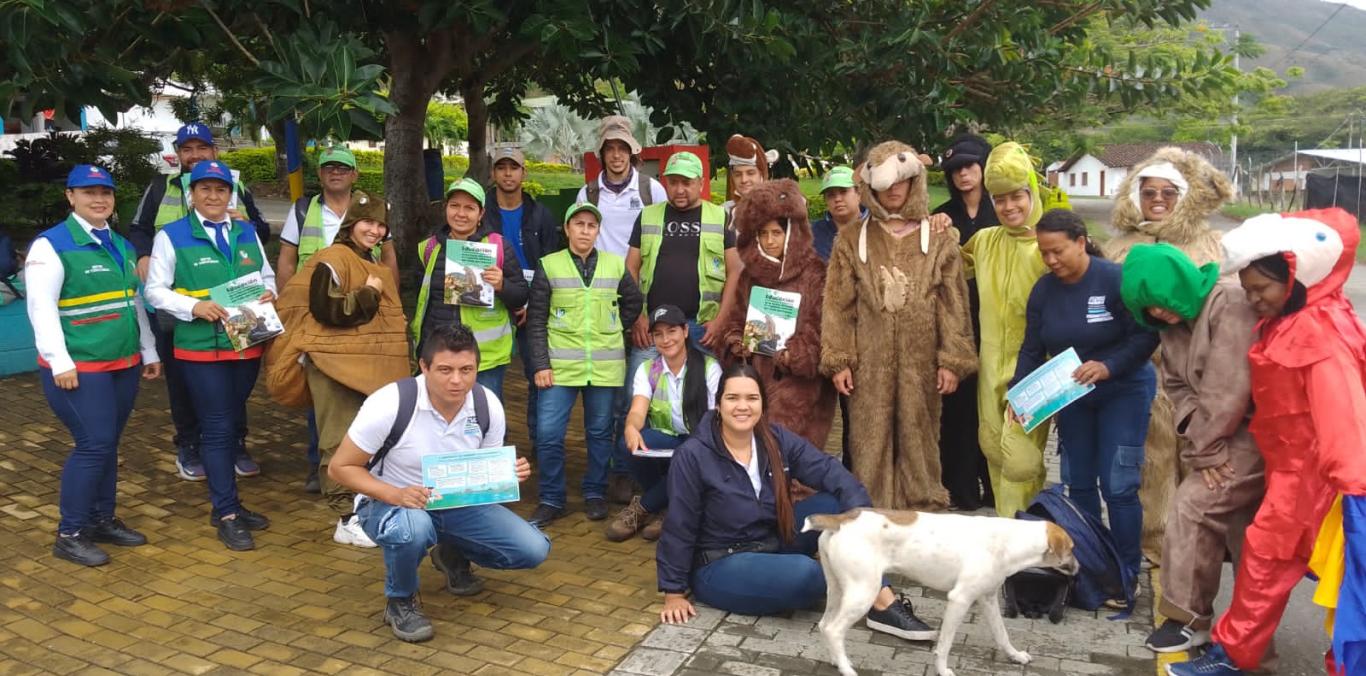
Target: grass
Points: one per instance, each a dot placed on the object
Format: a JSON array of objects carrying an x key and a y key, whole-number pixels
[{"x": 1241, "y": 211}]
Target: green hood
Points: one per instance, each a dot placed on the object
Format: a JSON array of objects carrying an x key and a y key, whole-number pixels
[{"x": 1160, "y": 275}]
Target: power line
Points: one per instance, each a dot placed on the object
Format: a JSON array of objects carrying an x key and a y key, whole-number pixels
[{"x": 1309, "y": 37}]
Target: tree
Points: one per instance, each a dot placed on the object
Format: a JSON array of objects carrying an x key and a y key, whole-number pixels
[{"x": 446, "y": 124}]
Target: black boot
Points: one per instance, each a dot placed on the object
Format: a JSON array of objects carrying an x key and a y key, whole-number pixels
[
  {"x": 460, "y": 578},
  {"x": 79, "y": 548},
  {"x": 114, "y": 531}
]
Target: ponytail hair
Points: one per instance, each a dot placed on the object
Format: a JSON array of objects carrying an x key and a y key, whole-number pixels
[
  {"x": 1068, "y": 223},
  {"x": 767, "y": 442},
  {"x": 695, "y": 395}
]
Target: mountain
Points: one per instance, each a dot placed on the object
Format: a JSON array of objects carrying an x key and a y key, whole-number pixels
[{"x": 1334, "y": 57}]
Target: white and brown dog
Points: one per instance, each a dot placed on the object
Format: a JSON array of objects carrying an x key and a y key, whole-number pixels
[{"x": 969, "y": 557}]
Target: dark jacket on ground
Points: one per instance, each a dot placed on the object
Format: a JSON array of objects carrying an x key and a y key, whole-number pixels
[
  {"x": 541, "y": 233},
  {"x": 143, "y": 228},
  {"x": 629, "y": 302},
  {"x": 712, "y": 503}
]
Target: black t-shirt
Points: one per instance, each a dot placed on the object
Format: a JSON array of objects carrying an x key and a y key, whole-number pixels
[
  {"x": 967, "y": 225},
  {"x": 675, "y": 276}
]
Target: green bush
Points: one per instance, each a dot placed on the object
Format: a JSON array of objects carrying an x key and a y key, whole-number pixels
[
  {"x": 370, "y": 180},
  {"x": 534, "y": 167},
  {"x": 255, "y": 165},
  {"x": 815, "y": 206},
  {"x": 455, "y": 165},
  {"x": 533, "y": 188}
]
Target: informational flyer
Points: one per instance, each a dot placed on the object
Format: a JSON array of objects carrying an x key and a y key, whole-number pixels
[
  {"x": 1049, "y": 389},
  {"x": 654, "y": 453},
  {"x": 465, "y": 265},
  {"x": 484, "y": 476},
  {"x": 771, "y": 320},
  {"x": 250, "y": 321}
]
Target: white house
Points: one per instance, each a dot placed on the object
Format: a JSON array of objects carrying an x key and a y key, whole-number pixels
[{"x": 1099, "y": 174}]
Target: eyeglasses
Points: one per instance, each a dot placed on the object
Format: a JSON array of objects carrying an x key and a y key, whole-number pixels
[
  {"x": 1167, "y": 193},
  {"x": 337, "y": 168}
]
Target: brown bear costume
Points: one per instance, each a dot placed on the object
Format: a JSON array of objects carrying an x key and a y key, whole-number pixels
[{"x": 896, "y": 311}]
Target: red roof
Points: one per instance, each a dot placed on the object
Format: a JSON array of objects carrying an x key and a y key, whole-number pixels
[{"x": 1128, "y": 154}]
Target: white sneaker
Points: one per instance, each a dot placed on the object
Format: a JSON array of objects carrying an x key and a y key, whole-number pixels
[{"x": 349, "y": 532}]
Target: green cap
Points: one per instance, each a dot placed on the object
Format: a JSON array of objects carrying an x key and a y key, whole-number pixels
[
  {"x": 470, "y": 187},
  {"x": 684, "y": 164},
  {"x": 338, "y": 155},
  {"x": 839, "y": 177},
  {"x": 581, "y": 206},
  {"x": 1160, "y": 275}
]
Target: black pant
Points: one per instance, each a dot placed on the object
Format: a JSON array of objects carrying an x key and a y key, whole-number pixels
[
  {"x": 963, "y": 468},
  {"x": 183, "y": 415}
]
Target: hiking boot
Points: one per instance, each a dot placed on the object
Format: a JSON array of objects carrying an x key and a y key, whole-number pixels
[
  {"x": 595, "y": 509},
  {"x": 1174, "y": 637},
  {"x": 250, "y": 520},
  {"x": 620, "y": 489},
  {"x": 544, "y": 514},
  {"x": 188, "y": 465},
  {"x": 235, "y": 535},
  {"x": 349, "y": 532},
  {"x": 628, "y": 522},
  {"x": 1215, "y": 662},
  {"x": 651, "y": 531},
  {"x": 409, "y": 624},
  {"x": 899, "y": 620},
  {"x": 460, "y": 578},
  {"x": 312, "y": 484},
  {"x": 115, "y": 532},
  {"x": 79, "y": 548}
]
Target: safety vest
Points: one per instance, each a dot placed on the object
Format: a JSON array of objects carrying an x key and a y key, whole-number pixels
[
  {"x": 584, "y": 330},
  {"x": 661, "y": 415},
  {"x": 96, "y": 308},
  {"x": 200, "y": 266},
  {"x": 312, "y": 236},
  {"x": 174, "y": 206},
  {"x": 711, "y": 255},
  {"x": 492, "y": 326}
]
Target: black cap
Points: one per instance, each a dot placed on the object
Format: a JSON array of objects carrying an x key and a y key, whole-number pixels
[
  {"x": 667, "y": 314},
  {"x": 963, "y": 150}
]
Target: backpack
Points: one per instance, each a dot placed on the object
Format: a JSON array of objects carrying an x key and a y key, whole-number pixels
[
  {"x": 1037, "y": 592},
  {"x": 1100, "y": 576},
  {"x": 593, "y": 189},
  {"x": 407, "y": 403}
]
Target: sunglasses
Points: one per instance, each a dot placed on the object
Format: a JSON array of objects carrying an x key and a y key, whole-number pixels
[{"x": 1167, "y": 193}]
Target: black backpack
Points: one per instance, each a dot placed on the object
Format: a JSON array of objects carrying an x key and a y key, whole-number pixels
[
  {"x": 407, "y": 403},
  {"x": 1037, "y": 592}
]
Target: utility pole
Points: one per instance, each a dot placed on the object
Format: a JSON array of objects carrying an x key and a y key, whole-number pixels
[{"x": 1233, "y": 143}]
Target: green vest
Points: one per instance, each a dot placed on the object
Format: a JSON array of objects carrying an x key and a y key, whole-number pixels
[
  {"x": 200, "y": 266},
  {"x": 711, "y": 255},
  {"x": 492, "y": 326},
  {"x": 96, "y": 305},
  {"x": 661, "y": 417},
  {"x": 312, "y": 237},
  {"x": 584, "y": 331},
  {"x": 173, "y": 205}
]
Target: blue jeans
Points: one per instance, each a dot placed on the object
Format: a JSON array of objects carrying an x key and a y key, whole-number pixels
[
  {"x": 489, "y": 535},
  {"x": 314, "y": 457},
  {"x": 492, "y": 379},
  {"x": 555, "y": 404},
  {"x": 219, "y": 390},
  {"x": 524, "y": 351},
  {"x": 751, "y": 583},
  {"x": 1102, "y": 436},
  {"x": 635, "y": 357},
  {"x": 95, "y": 413},
  {"x": 183, "y": 414},
  {"x": 652, "y": 473}
]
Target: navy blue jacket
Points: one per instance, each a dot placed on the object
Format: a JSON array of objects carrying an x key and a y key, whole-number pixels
[
  {"x": 823, "y": 232},
  {"x": 712, "y": 503}
]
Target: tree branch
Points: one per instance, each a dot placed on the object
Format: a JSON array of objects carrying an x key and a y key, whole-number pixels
[
  {"x": 1081, "y": 14},
  {"x": 969, "y": 19},
  {"x": 237, "y": 43},
  {"x": 266, "y": 32}
]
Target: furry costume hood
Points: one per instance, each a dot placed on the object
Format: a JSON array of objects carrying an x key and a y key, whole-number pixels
[
  {"x": 888, "y": 163},
  {"x": 1207, "y": 190},
  {"x": 745, "y": 151},
  {"x": 1010, "y": 168},
  {"x": 780, "y": 201}
]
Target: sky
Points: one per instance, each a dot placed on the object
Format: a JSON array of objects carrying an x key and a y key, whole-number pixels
[{"x": 1359, "y": 4}]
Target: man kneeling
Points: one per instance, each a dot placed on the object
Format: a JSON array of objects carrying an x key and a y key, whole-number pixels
[{"x": 445, "y": 417}]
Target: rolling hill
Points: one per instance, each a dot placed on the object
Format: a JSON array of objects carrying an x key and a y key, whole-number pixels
[{"x": 1334, "y": 57}]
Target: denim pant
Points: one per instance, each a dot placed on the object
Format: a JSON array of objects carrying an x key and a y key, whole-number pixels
[
  {"x": 219, "y": 390},
  {"x": 95, "y": 413},
  {"x": 555, "y": 404},
  {"x": 492, "y": 380},
  {"x": 524, "y": 351},
  {"x": 652, "y": 473},
  {"x": 1102, "y": 436},
  {"x": 635, "y": 357},
  {"x": 488, "y": 535},
  {"x": 314, "y": 456},
  {"x": 751, "y": 583},
  {"x": 177, "y": 389}
]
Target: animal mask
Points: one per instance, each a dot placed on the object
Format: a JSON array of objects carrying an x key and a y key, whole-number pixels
[{"x": 889, "y": 163}]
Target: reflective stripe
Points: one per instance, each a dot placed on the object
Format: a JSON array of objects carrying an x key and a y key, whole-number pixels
[
  {"x": 596, "y": 355},
  {"x": 197, "y": 293},
  {"x": 651, "y": 230},
  {"x": 494, "y": 333},
  {"x": 712, "y": 229},
  {"x": 96, "y": 308},
  {"x": 711, "y": 296},
  {"x": 93, "y": 298},
  {"x": 577, "y": 283}
]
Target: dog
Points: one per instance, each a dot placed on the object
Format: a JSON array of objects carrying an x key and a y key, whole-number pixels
[{"x": 969, "y": 557}]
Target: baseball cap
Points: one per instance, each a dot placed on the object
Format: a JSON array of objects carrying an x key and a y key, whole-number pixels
[
  {"x": 581, "y": 206},
  {"x": 667, "y": 314},
  {"x": 617, "y": 128},
  {"x": 839, "y": 177},
  {"x": 86, "y": 175},
  {"x": 338, "y": 155},
  {"x": 510, "y": 153},
  {"x": 468, "y": 186},
  {"x": 964, "y": 150},
  {"x": 684, "y": 164},
  {"x": 193, "y": 131},
  {"x": 211, "y": 169}
]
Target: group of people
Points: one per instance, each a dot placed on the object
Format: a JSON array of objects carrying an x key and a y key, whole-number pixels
[{"x": 913, "y": 323}]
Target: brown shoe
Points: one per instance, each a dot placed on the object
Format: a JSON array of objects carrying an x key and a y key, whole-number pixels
[
  {"x": 628, "y": 522},
  {"x": 651, "y": 531},
  {"x": 620, "y": 489}
]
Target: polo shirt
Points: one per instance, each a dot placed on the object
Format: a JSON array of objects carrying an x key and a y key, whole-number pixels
[
  {"x": 640, "y": 387},
  {"x": 620, "y": 210},
  {"x": 331, "y": 224}
]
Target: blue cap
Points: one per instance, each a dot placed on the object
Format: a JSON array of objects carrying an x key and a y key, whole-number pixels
[
  {"x": 85, "y": 175},
  {"x": 193, "y": 131},
  {"x": 211, "y": 169}
]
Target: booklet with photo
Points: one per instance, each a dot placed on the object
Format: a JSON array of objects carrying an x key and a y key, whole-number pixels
[
  {"x": 771, "y": 320},
  {"x": 465, "y": 265},
  {"x": 250, "y": 321},
  {"x": 1049, "y": 389},
  {"x": 483, "y": 476}
]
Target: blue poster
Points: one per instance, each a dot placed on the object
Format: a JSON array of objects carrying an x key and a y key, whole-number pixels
[
  {"x": 1047, "y": 390},
  {"x": 466, "y": 478}
]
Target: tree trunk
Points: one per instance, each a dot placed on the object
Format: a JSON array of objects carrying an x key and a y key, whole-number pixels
[
  {"x": 405, "y": 188},
  {"x": 477, "y": 111},
  {"x": 277, "y": 134}
]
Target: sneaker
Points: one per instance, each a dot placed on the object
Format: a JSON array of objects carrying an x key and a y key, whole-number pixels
[
  {"x": 408, "y": 623},
  {"x": 1121, "y": 603},
  {"x": 115, "y": 532},
  {"x": 349, "y": 532},
  {"x": 250, "y": 520},
  {"x": 189, "y": 466},
  {"x": 1214, "y": 662},
  {"x": 244, "y": 465},
  {"x": 312, "y": 484},
  {"x": 460, "y": 578},
  {"x": 544, "y": 514},
  {"x": 652, "y": 530},
  {"x": 1174, "y": 637},
  {"x": 79, "y": 548},
  {"x": 595, "y": 509},
  {"x": 620, "y": 489},
  {"x": 628, "y": 522},
  {"x": 899, "y": 620},
  {"x": 235, "y": 535}
]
